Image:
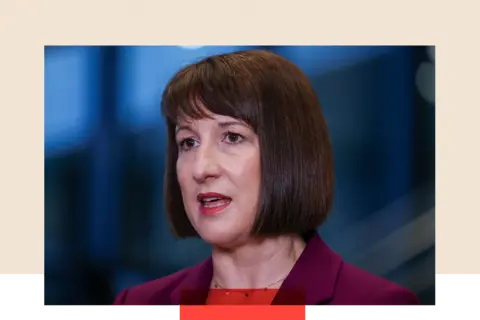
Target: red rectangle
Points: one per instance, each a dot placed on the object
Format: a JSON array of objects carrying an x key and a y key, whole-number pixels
[{"x": 245, "y": 312}]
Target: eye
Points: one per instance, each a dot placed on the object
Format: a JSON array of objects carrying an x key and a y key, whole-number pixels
[
  {"x": 187, "y": 144},
  {"x": 233, "y": 138}
]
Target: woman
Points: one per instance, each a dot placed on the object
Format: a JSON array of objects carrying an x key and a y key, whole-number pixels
[{"x": 250, "y": 171}]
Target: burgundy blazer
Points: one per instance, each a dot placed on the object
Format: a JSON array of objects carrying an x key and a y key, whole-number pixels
[{"x": 319, "y": 276}]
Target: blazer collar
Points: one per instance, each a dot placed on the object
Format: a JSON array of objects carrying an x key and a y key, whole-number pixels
[{"x": 311, "y": 281}]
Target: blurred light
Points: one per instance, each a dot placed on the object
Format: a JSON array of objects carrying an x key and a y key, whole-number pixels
[
  {"x": 425, "y": 81},
  {"x": 317, "y": 60},
  {"x": 191, "y": 47},
  {"x": 69, "y": 109},
  {"x": 431, "y": 53}
]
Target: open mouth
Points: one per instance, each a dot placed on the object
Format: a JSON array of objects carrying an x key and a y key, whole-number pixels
[
  {"x": 211, "y": 204},
  {"x": 214, "y": 202}
]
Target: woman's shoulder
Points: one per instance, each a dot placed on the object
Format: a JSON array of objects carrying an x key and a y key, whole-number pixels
[
  {"x": 358, "y": 286},
  {"x": 158, "y": 289}
]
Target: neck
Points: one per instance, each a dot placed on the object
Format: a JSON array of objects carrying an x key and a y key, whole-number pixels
[{"x": 258, "y": 263}]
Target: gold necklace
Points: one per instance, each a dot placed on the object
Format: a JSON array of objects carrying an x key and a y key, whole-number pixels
[{"x": 216, "y": 285}]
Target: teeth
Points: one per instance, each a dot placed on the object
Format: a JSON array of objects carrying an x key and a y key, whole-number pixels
[
  {"x": 210, "y": 199},
  {"x": 216, "y": 204}
]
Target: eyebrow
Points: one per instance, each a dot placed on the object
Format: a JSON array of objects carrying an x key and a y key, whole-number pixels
[
  {"x": 223, "y": 124},
  {"x": 183, "y": 127},
  {"x": 230, "y": 123}
]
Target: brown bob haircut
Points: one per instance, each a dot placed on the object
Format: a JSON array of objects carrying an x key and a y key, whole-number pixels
[{"x": 275, "y": 98}]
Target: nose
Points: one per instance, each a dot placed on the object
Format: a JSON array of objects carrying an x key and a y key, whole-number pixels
[{"x": 206, "y": 164}]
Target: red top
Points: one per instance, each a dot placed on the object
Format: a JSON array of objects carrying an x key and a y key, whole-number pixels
[{"x": 241, "y": 296}]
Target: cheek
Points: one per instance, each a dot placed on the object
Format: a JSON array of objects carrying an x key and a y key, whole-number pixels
[
  {"x": 252, "y": 174},
  {"x": 247, "y": 172},
  {"x": 182, "y": 176},
  {"x": 186, "y": 186}
]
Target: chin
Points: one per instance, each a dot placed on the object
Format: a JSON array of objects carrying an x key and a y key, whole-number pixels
[{"x": 220, "y": 238}]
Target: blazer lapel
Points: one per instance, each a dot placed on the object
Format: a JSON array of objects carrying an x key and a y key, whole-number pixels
[{"x": 313, "y": 278}]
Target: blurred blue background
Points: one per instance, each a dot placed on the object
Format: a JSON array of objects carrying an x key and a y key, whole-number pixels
[{"x": 105, "y": 144}]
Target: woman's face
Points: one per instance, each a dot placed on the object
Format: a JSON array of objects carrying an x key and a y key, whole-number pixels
[{"x": 218, "y": 169}]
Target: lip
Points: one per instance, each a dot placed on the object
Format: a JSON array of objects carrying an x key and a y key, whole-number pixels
[
  {"x": 212, "y": 211},
  {"x": 200, "y": 196}
]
